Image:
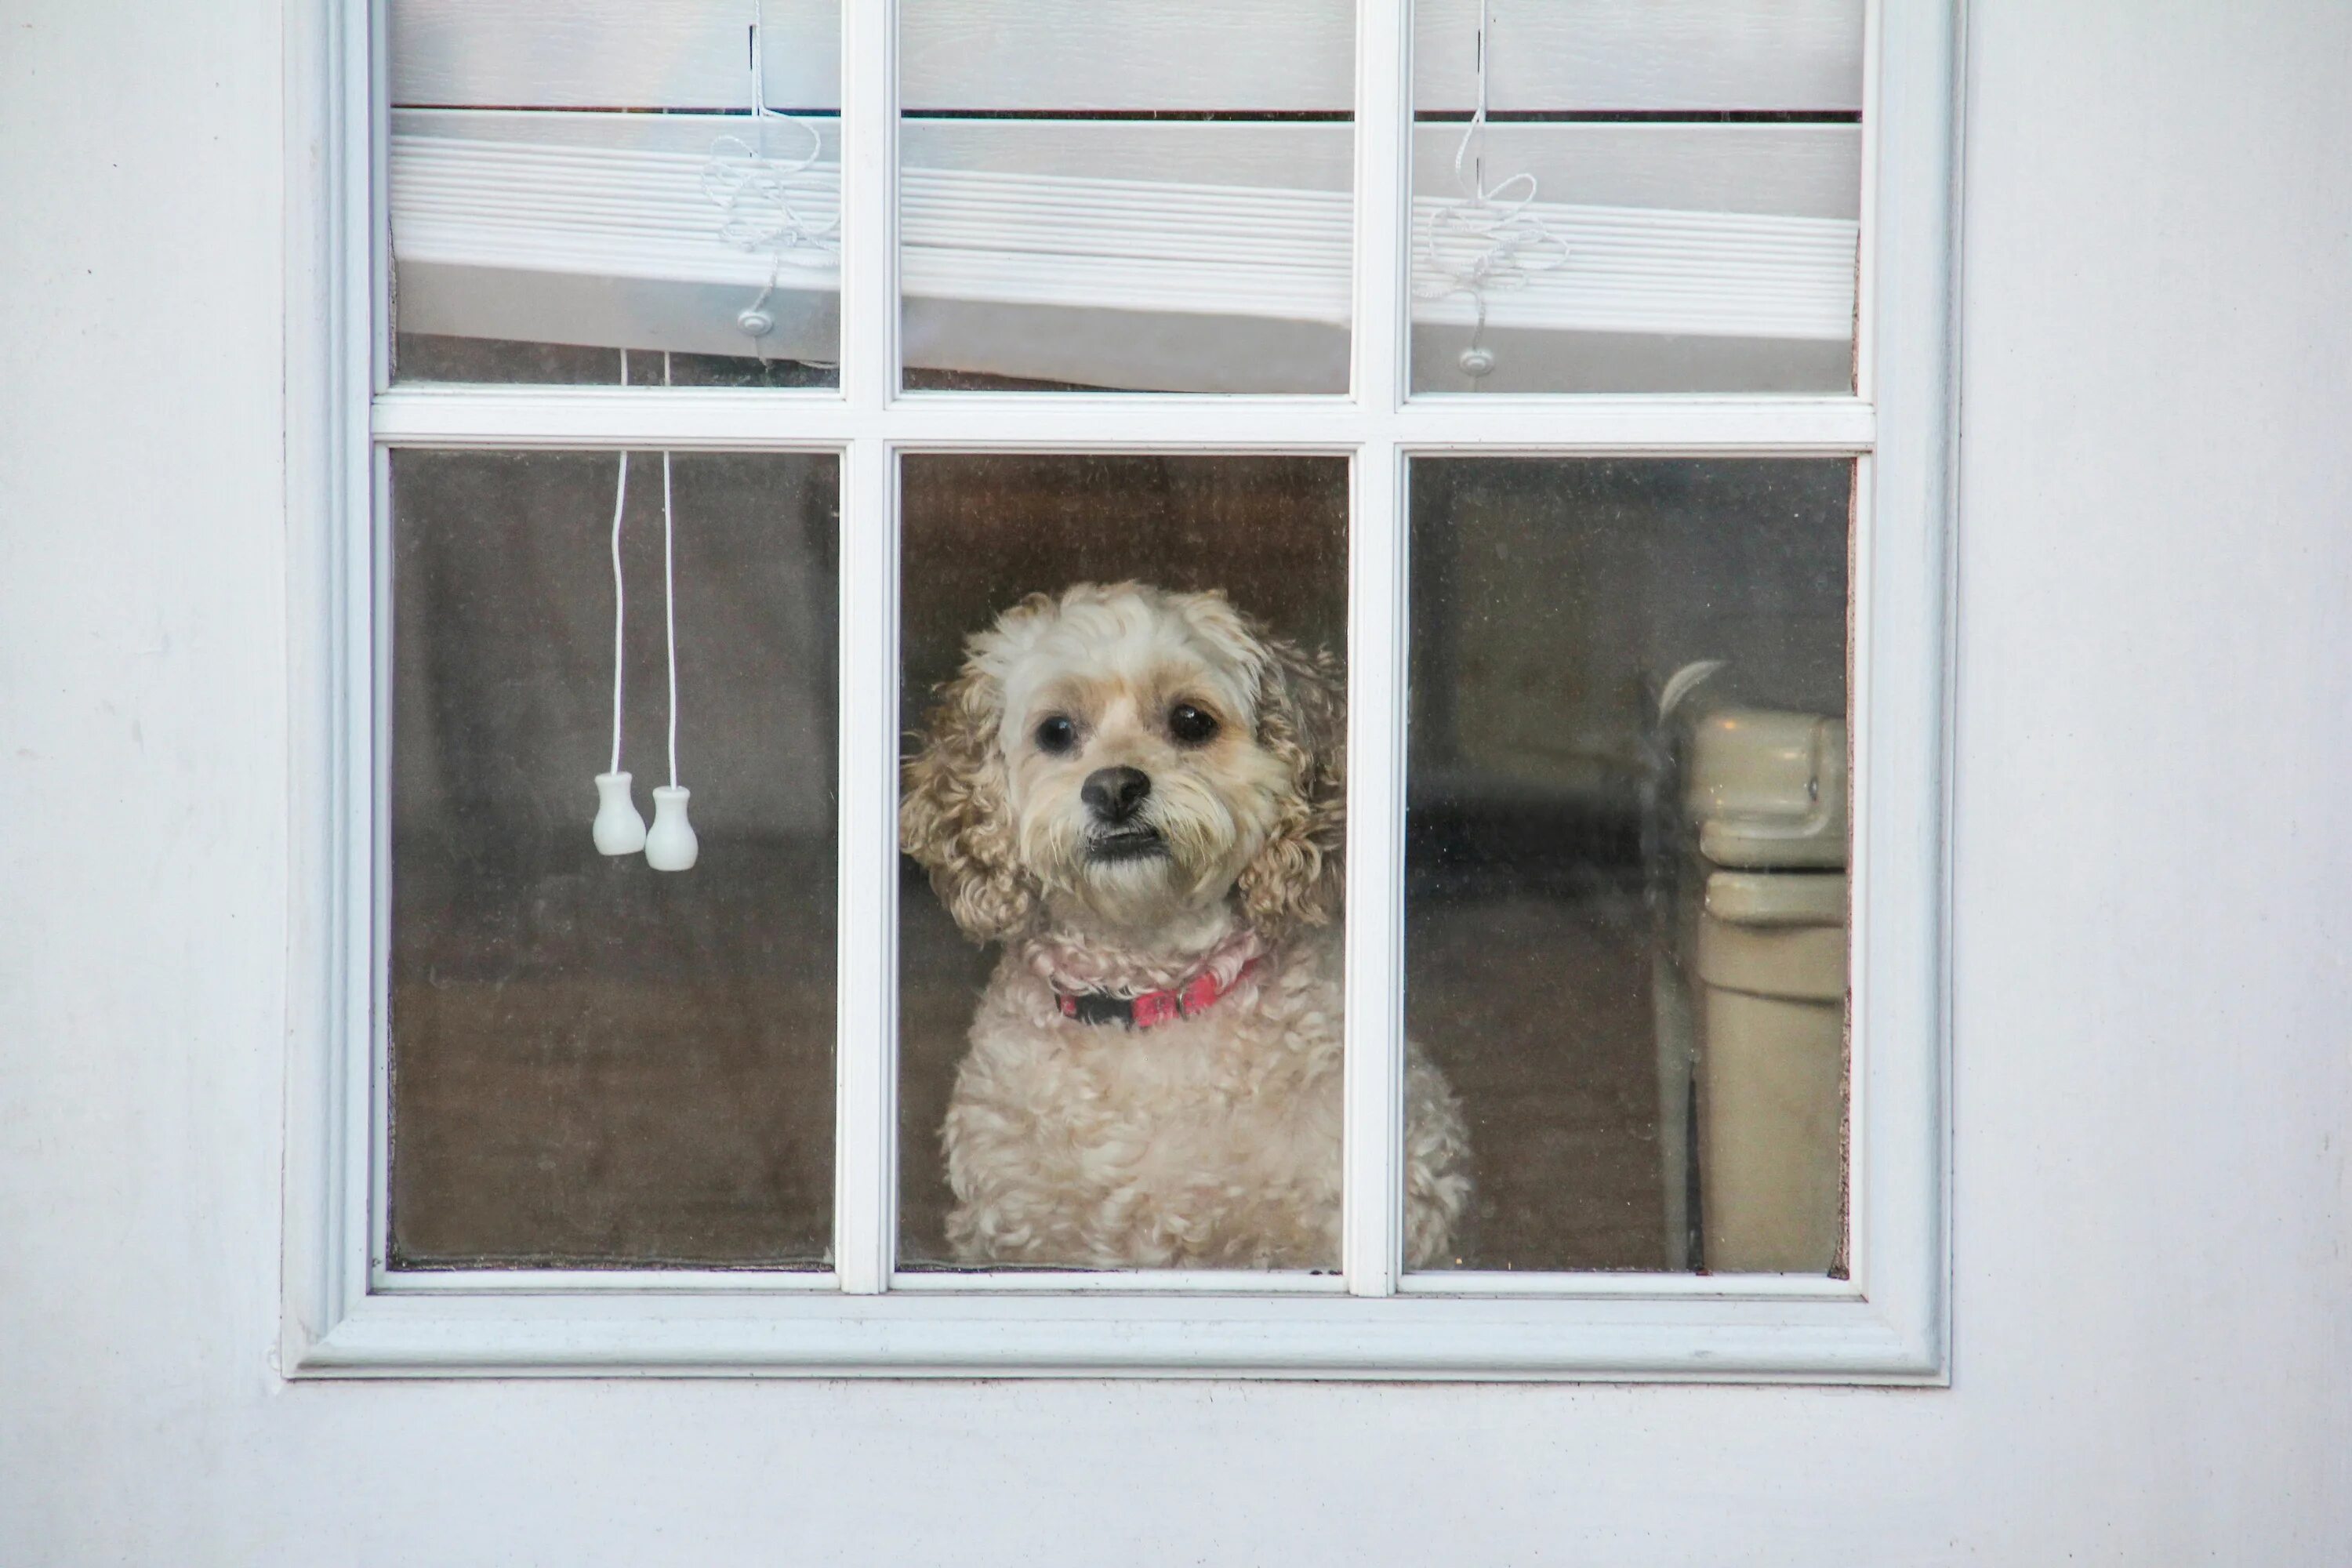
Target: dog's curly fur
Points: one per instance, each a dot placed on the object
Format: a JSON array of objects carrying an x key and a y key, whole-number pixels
[{"x": 1211, "y": 1141}]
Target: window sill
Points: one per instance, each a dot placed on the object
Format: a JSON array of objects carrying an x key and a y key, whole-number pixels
[{"x": 1696, "y": 1329}]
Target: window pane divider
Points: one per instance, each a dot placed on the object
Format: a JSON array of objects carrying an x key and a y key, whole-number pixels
[
  {"x": 1372, "y": 1143},
  {"x": 731, "y": 419},
  {"x": 623, "y": 1279},
  {"x": 865, "y": 1047},
  {"x": 655, "y": 1280},
  {"x": 1121, "y": 1281}
]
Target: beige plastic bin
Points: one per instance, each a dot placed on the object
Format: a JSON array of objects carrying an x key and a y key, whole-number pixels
[
  {"x": 1771, "y": 969},
  {"x": 1766, "y": 959}
]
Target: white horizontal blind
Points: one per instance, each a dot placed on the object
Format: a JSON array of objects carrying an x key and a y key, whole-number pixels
[
  {"x": 596, "y": 228},
  {"x": 1111, "y": 244},
  {"x": 1117, "y": 55},
  {"x": 1038, "y": 245}
]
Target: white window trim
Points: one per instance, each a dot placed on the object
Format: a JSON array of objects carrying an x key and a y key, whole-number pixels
[{"x": 1885, "y": 1322}]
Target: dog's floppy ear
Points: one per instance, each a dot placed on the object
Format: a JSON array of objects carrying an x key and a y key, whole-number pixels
[
  {"x": 1302, "y": 720},
  {"x": 955, "y": 816}
]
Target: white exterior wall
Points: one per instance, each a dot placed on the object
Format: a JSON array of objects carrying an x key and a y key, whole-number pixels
[{"x": 2152, "y": 1296}]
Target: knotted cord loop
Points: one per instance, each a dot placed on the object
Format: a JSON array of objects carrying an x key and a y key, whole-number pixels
[
  {"x": 763, "y": 205},
  {"x": 1490, "y": 238}
]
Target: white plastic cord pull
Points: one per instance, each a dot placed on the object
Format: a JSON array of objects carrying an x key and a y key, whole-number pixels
[
  {"x": 671, "y": 845},
  {"x": 619, "y": 830}
]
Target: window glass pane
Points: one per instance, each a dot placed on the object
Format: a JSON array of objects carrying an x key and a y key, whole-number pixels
[
  {"x": 1130, "y": 799},
  {"x": 665, "y": 180},
  {"x": 1635, "y": 198},
  {"x": 1627, "y": 847},
  {"x": 595, "y": 1062},
  {"x": 1126, "y": 194}
]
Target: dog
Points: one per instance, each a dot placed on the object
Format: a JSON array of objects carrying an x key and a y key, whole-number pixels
[{"x": 1141, "y": 795}]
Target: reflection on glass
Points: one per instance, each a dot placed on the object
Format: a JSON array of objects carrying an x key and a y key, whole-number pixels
[
  {"x": 670, "y": 186},
  {"x": 1633, "y": 202},
  {"x": 1127, "y": 196},
  {"x": 1123, "y": 784},
  {"x": 1626, "y": 841},
  {"x": 594, "y": 1063}
]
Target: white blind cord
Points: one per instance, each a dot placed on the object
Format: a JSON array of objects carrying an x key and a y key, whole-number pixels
[
  {"x": 618, "y": 828},
  {"x": 670, "y": 843},
  {"x": 620, "y": 589},
  {"x": 670, "y": 598}
]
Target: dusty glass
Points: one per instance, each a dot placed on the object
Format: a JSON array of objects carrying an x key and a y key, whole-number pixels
[
  {"x": 1119, "y": 1008},
  {"x": 1627, "y": 199},
  {"x": 595, "y": 1062},
  {"x": 1625, "y": 913},
  {"x": 666, "y": 183},
  {"x": 1128, "y": 195}
]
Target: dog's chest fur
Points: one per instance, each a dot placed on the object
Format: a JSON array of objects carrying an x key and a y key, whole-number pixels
[{"x": 1209, "y": 1141}]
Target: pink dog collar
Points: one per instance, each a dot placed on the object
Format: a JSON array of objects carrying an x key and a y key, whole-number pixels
[{"x": 1195, "y": 996}]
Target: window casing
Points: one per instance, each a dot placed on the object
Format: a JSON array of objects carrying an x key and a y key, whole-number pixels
[{"x": 347, "y": 1314}]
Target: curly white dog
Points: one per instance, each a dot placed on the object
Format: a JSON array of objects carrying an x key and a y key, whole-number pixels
[{"x": 1140, "y": 794}]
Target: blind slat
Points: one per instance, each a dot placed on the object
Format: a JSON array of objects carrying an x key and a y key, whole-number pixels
[{"x": 1069, "y": 55}]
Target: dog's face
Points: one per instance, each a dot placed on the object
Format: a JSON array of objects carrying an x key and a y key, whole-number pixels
[{"x": 1138, "y": 754}]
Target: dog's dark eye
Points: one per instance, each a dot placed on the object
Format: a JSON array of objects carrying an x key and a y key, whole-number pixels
[
  {"x": 1190, "y": 725},
  {"x": 1057, "y": 735}
]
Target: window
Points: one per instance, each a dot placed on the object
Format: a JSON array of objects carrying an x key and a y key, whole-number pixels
[{"x": 1529, "y": 427}]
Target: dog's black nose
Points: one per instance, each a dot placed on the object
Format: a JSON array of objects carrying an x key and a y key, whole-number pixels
[{"x": 1115, "y": 794}]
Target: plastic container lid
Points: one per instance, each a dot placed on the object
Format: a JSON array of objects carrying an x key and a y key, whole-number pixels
[{"x": 1767, "y": 788}]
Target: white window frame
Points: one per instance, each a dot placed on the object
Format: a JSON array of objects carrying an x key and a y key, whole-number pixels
[{"x": 345, "y": 1315}]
